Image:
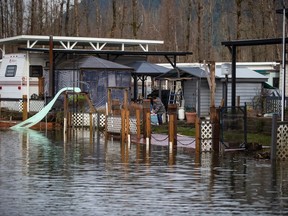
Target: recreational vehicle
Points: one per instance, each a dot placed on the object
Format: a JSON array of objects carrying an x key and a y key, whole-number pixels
[{"x": 21, "y": 75}]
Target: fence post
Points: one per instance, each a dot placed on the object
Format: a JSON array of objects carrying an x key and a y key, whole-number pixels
[
  {"x": 138, "y": 121},
  {"x": 214, "y": 114},
  {"x": 65, "y": 119},
  {"x": 197, "y": 139},
  {"x": 146, "y": 109},
  {"x": 274, "y": 138},
  {"x": 172, "y": 112},
  {"x": 123, "y": 130},
  {"x": 25, "y": 107}
]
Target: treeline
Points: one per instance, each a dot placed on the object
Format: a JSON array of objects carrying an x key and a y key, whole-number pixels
[{"x": 198, "y": 26}]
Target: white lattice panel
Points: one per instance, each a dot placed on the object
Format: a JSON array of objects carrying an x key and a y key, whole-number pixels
[
  {"x": 282, "y": 142},
  {"x": 36, "y": 105},
  {"x": 206, "y": 136},
  {"x": 114, "y": 124},
  {"x": 12, "y": 105}
]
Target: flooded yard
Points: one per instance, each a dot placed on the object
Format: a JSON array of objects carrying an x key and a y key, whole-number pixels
[{"x": 40, "y": 174}]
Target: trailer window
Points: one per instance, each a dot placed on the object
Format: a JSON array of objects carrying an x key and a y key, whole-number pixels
[
  {"x": 11, "y": 71},
  {"x": 36, "y": 71}
]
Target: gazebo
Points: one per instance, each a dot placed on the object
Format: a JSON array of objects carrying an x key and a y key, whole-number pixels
[
  {"x": 93, "y": 75},
  {"x": 143, "y": 69}
]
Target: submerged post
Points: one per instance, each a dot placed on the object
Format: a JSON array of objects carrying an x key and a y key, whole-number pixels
[
  {"x": 25, "y": 108},
  {"x": 274, "y": 138},
  {"x": 65, "y": 116},
  {"x": 146, "y": 109},
  {"x": 172, "y": 112},
  {"x": 138, "y": 121},
  {"x": 197, "y": 140}
]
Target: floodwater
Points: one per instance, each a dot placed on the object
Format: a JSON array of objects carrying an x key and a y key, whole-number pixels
[{"x": 40, "y": 174}]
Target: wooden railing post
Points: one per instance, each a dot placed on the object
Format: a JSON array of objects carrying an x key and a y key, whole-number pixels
[
  {"x": 214, "y": 116},
  {"x": 25, "y": 108},
  {"x": 138, "y": 121},
  {"x": 146, "y": 109},
  {"x": 197, "y": 140},
  {"x": 172, "y": 112}
]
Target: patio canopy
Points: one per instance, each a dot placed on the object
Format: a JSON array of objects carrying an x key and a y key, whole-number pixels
[{"x": 183, "y": 73}]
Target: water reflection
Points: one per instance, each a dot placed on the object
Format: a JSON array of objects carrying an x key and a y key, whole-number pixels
[{"x": 40, "y": 174}]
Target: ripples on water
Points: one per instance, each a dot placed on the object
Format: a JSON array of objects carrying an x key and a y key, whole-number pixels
[{"x": 40, "y": 175}]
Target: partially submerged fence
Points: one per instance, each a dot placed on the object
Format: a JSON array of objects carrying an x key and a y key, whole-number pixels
[{"x": 279, "y": 143}]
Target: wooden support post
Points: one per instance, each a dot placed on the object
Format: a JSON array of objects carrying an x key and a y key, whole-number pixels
[
  {"x": 172, "y": 112},
  {"x": 123, "y": 137},
  {"x": 146, "y": 109},
  {"x": 148, "y": 128},
  {"x": 65, "y": 116},
  {"x": 197, "y": 140},
  {"x": 25, "y": 108},
  {"x": 273, "y": 154},
  {"x": 127, "y": 126},
  {"x": 215, "y": 121},
  {"x": 138, "y": 121},
  {"x": 213, "y": 84}
]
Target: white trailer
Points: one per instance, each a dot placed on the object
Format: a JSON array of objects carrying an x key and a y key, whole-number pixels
[{"x": 22, "y": 75}]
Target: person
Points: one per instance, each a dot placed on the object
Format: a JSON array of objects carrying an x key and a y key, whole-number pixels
[{"x": 158, "y": 108}]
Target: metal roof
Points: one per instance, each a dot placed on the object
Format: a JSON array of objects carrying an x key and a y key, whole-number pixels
[
  {"x": 90, "y": 62},
  {"x": 199, "y": 72},
  {"x": 242, "y": 73},
  {"x": 182, "y": 73},
  {"x": 146, "y": 68},
  {"x": 254, "y": 42},
  {"x": 70, "y": 43}
]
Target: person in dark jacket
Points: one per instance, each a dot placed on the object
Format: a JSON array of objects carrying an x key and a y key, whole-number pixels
[{"x": 158, "y": 108}]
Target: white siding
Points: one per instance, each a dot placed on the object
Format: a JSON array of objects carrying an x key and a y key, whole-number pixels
[{"x": 246, "y": 91}]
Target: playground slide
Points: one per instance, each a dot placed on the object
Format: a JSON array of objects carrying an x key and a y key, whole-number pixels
[{"x": 40, "y": 115}]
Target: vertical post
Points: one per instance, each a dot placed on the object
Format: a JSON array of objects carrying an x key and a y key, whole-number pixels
[
  {"x": 197, "y": 140},
  {"x": 212, "y": 78},
  {"x": 233, "y": 77},
  {"x": 127, "y": 125},
  {"x": 123, "y": 129},
  {"x": 65, "y": 116},
  {"x": 215, "y": 129},
  {"x": 283, "y": 65},
  {"x": 24, "y": 112},
  {"x": 274, "y": 138},
  {"x": 138, "y": 121},
  {"x": 135, "y": 87},
  {"x": 146, "y": 109},
  {"x": 148, "y": 129},
  {"x": 172, "y": 112},
  {"x": 109, "y": 100},
  {"x": 51, "y": 67},
  {"x": 226, "y": 91}
]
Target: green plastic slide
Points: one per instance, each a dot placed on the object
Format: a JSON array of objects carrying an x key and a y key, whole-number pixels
[{"x": 41, "y": 114}]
